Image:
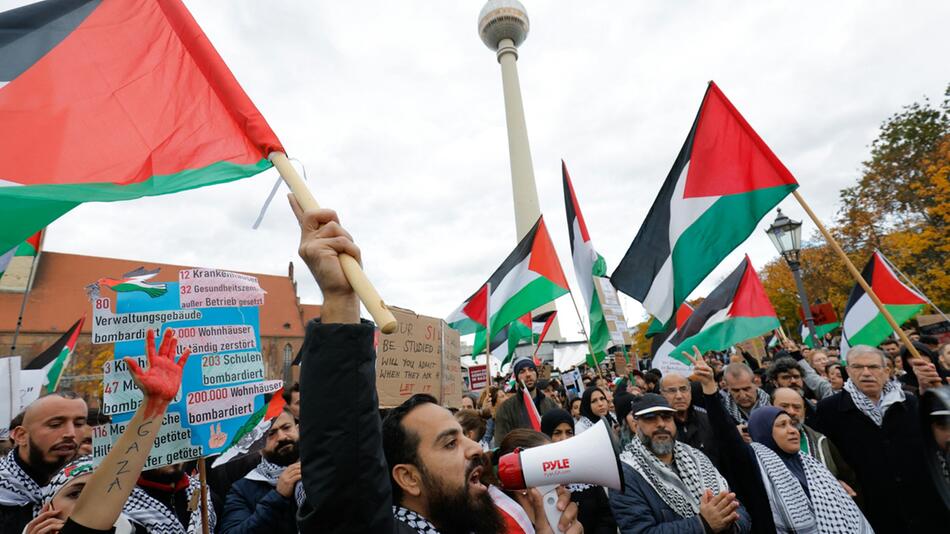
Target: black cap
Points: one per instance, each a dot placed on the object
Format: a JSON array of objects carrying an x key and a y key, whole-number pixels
[{"x": 649, "y": 403}]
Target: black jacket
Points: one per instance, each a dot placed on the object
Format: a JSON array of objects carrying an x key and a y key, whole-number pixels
[
  {"x": 253, "y": 506},
  {"x": 341, "y": 444},
  {"x": 899, "y": 495},
  {"x": 738, "y": 465},
  {"x": 697, "y": 432}
]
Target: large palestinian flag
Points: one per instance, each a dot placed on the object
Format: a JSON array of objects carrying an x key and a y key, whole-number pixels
[
  {"x": 54, "y": 360},
  {"x": 724, "y": 180},
  {"x": 587, "y": 264},
  {"x": 735, "y": 311},
  {"x": 661, "y": 347},
  {"x": 529, "y": 277},
  {"x": 115, "y": 100},
  {"x": 863, "y": 323}
]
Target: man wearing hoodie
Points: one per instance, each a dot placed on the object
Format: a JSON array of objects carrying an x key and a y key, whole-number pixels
[{"x": 512, "y": 415}]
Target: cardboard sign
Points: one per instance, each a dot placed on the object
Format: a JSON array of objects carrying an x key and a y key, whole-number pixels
[
  {"x": 421, "y": 356},
  {"x": 613, "y": 313},
  {"x": 222, "y": 383},
  {"x": 545, "y": 371},
  {"x": 477, "y": 377}
]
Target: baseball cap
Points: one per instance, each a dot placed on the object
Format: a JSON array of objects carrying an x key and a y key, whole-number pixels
[{"x": 649, "y": 403}]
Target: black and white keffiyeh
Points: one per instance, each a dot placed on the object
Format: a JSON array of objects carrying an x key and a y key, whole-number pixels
[
  {"x": 141, "y": 508},
  {"x": 740, "y": 417},
  {"x": 269, "y": 472},
  {"x": 829, "y": 509},
  {"x": 891, "y": 394},
  {"x": 680, "y": 490},
  {"x": 414, "y": 520},
  {"x": 16, "y": 487}
]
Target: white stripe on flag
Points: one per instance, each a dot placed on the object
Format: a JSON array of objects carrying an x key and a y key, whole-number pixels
[
  {"x": 513, "y": 282},
  {"x": 863, "y": 312}
]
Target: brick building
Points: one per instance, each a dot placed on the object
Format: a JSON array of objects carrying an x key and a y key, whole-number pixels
[{"x": 58, "y": 298}]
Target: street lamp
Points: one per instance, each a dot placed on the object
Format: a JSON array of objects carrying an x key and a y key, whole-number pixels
[{"x": 786, "y": 235}]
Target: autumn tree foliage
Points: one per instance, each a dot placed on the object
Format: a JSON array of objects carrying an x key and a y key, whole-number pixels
[{"x": 900, "y": 205}]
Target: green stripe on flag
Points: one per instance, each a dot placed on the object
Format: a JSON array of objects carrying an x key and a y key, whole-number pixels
[
  {"x": 599, "y": 334},
  {"x": 721, "y": 336},
  {"x": 536, "y": 293},
  {"x": 716, "y": 233},
  {"x": 56, "y": 370},
  {"x": 875, "y": 331},
  {"x": 26, "y": 209}
]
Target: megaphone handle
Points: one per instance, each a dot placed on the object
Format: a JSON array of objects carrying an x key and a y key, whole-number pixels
[{"x": 549, "y": 498}]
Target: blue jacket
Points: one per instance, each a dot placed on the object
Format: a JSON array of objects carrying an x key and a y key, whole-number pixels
[
  {"x": 640, "y": 510},
  {"x": 253, "y": 506}
]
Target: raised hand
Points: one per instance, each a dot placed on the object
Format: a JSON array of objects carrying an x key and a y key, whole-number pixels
[
  {"x": 927, "y": 376},
  {"x": 218, "y": 438},
  {"x": 160, "y": 382},
  {"x": 702, "y": 371}
]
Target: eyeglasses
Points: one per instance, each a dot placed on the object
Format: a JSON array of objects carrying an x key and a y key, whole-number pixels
[
  {"x": 858, "y": 367},
  {"x": 664, "y": 416},
  {"x": 672, "y": 391}
]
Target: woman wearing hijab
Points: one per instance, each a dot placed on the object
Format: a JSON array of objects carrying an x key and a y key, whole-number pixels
[
  {"x": 594, "y": 405},
  {"x": 785, "y": 490},
  {"x": 593, "y": 508}
]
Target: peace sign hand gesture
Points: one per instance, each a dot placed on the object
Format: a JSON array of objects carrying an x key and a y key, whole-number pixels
[
  {"x": 160, "y": 383},
  {"x": 702, "y": 371},
  {"x": 218, "y": 438}
]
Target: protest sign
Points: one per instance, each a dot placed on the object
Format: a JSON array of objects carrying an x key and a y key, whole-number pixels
[
  {"x": 222, "y": 383},
  {"x": 572, "y": 381},
  {"x": 613, "y": 313},
  {"x": 545, "y": 371},
  {"x": 413, "y": 359},
  {"x": 9, "y": 393},
  {"x": 477, "y": 377}
]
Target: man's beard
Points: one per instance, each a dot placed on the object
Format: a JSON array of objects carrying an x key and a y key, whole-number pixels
[
  {"x": 454, "y": 511},
  {"x": 660, "y": 448},
  {"x": 37, "y": 460},
  {"x": 283, "y": 455}
]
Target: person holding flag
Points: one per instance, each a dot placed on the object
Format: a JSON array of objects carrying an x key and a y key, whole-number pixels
[{"x": 533, "y": 403}]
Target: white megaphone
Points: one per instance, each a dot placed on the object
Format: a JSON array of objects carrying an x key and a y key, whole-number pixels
[{"x": 589, "y": 458}]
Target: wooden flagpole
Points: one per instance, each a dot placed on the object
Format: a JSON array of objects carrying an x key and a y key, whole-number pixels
[
  {"x": 856, "y": 274},
  {"x": 203, "y": 479},
  {"x": 351, "y": 268}
]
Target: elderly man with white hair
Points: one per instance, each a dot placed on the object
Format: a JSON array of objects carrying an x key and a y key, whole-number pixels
[{"x": 877, "y": 429}]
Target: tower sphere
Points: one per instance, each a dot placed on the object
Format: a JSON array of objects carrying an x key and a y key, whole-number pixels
[{"x": 502, "y": 19}]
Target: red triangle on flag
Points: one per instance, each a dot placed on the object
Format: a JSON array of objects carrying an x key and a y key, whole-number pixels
[
  {"x": 727, "y": 156},
  {"x": 544, "y": 259},
  {"x": 750, "y": 299},
  {"x": 477, "y": 307},
  {"x": 683, "y": 313},
  {"x": 888, "y": 288},
  {"x": 533, "y": 416}
]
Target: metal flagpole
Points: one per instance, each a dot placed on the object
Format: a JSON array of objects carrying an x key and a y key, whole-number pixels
[
  {"x": 586, "y": 335},
  {"x": 26, "y": 293}
]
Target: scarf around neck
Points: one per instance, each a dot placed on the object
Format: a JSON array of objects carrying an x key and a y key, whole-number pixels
[
  {"x": 145, "y": 510},
  {"x": 16, "y": 487},
  {"x": 891, "y": 394},
  {"x": 740, "y": 417},
  {"x": 269, "y": 472},
  {"x": 827, "y": 509},
  {"x": 682, "y": 489},
  {"x": 414, "y": 520}
]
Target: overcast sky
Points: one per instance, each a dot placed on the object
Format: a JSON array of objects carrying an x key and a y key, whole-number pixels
[{"x": 396, "y": 110}]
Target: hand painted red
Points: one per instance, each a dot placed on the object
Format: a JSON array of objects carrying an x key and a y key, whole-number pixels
[{"x": 161, "y": 381}]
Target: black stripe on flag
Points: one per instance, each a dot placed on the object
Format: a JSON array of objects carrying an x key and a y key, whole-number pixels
[
  {"x": 720, "y": 299},
  {"x": 28, "y": 33},
  {"x": 517, "y": 256},
  {"x": 635, "y": 273},
  {"x": 51, "y": 353},
  {"x": 857, "y": 291}
]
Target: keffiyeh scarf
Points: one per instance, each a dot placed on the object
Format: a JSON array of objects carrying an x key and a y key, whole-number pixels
[
  {"x": 269, "y": 472},
  {"x": 141, "y": 508},
  {"x": 830, "y": 509},
  {"x": 891, "y": 394},
  {"x": 680, "y": 490},
  {"x": 414, "y": 520},
  {"x": 16, "y": 487},
  {"x": 740, "y": 417}
]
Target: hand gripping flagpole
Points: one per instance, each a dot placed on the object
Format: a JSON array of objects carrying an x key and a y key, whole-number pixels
[
  {"x": 856, "y": 274},
  {"x": 351, "y": 268}
]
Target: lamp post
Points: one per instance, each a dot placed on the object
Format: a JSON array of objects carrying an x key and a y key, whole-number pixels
[{"x": 786, "y": 235}]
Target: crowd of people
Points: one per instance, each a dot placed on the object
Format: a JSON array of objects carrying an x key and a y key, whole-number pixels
[{"x": 801, "y": 441}]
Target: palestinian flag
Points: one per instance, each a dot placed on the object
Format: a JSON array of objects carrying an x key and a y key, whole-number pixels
[
  {"x": 106, "y": 101},
  {"x": 533, "y": 416},
  {"x": 472, "y": 316},
  {"x": 54, "y": 360},
  {"x": 820, "y": 331},
  {"x": 506, "y": 340},
  {"x": 863, "y": 322},
  {"x": 540, "y": 324},
  {"x": 27, "y": 249},
  {"x": 250, "y": 437},
  {"x": 136, "y": 280},
  {"x": 529, "y": 277},
  {"x": 661, "y": 346},
  {"x": 735, "y": 311},
  {"x": 724, "y": 180},
  {"x": 587, "y": 264}
]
